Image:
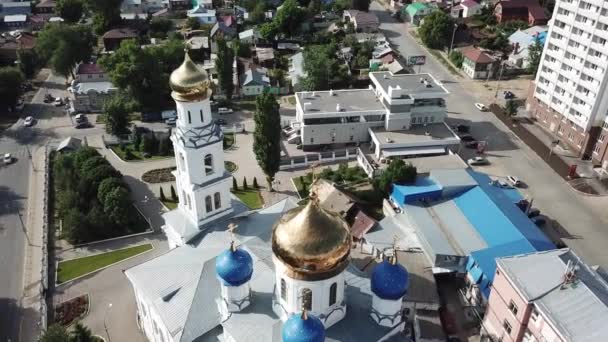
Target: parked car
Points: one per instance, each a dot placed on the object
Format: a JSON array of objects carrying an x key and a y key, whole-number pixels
[
  {"x": 83, "y": 124},
  {"x": 514, "y": 181},
  {"x": 508, "y": 94},
  {"x": 478, "y": 161},
  {"x": 467, "y": 138},
  {"x": 539, "y": 220},
  {"x": 460, "y": 128},
  {"x": 58, "y": 102},
  {"x": 501, "y": 184},
  {"x": 481, "y": 107},
  {"x": 48, "y": 98},
  {"x": 7, "y": 159},
  {"x": 80, "y": 118},
  {"x": 523, "y": 204},
  {"x": 171, "y": 121},
  {"x": 29, "y": 121},
  {"x": 224, "y": 110},
  {"x": 471, "y": 144},
  {"x": 533, "y": 213},
  {"x": 220, "y": 122}
]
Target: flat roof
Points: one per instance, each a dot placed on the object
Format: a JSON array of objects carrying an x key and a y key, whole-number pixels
[
  {"x": 410, "y": 83},
  {"x": 355, "y": 100},
  {"x": 416, "y": 134}
]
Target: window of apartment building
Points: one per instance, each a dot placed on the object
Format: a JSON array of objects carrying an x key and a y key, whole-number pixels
[
  {"x": 534, "y": 315},
  {"x": 507, "y": 326},
  {"x": 596, "y": 148},
  {"x": 570, "y": 136},
  {"x": 312, "y": 140},
  {"x": 605, "y": 125},
  {"x": 579, "y": 143},
  {"x": 560, "y": 130},
  {"x": 513, "y": 307},
  {"x": 528, "y": 337}
]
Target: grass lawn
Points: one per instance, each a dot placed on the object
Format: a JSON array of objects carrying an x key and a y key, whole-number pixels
[
  {"x": 228, "y": 140},
  {"x": 137, "y": 155},
  {"x": 70, "y": 269},
  {"x": 251, "y": 198},
  {"x": 302, "y": 184},
  {"x": 170, "y": 204}
]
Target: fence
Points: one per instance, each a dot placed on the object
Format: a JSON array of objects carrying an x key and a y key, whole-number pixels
[{"x": 317, "y": 158}]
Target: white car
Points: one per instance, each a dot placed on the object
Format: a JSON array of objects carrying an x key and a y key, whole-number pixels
[
  {"x": 7, "y": 159},
  {"x": 224, "y": 110},
  {"x": 58, "y": 102},
  {"x": 514, "y": 181},
  {"x": 29, "y": 121},
  {"x": 481, "y": 107},
  {"x": 502, "y": 184},
  {"x": 478, "y": 161}
]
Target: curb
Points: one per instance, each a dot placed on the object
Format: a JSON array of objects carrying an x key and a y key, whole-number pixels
[
  {"x": 584, "y": 193},
  {"x": 99, "y": 269},
  {"x": 110, "y": 239},
  {"x": 109, "y": 148}
]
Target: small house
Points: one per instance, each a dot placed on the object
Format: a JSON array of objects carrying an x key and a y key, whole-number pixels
[
  {"x": 253, "y": 82},
  {"x": 296, "y": 69},
  {"x": 203, "y": 15},
  {"x": 521, "y": 41},
  {"x": 11, "y": 44},
  {"x": 415, "y": 12},
  {"x": 362, "y": 21},
  {"x": 69, "y": 144},
  {"x": 529, "y": 11},
  {"x": 466, "y": 9},
  {"x": 45, "y": 6},
  {"x": 477, "y": 64},
  {"x": 113, "y": 38},
  {"x": 15, "y": 20},
  {"x": 250, "y": 36}
]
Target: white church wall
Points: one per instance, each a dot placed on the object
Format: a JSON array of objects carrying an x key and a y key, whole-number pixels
[
  {"x": 200, "y": 113},
  {"x": 151, "y": 323},
  {"x": 384, "y": 311}
]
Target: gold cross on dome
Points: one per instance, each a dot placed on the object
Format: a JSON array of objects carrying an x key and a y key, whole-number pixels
[{"x": 393, "y": 259}]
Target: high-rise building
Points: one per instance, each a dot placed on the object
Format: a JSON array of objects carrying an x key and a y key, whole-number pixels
[{"x": 569, "y": 96}]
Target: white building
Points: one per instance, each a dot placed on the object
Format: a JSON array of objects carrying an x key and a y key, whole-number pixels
[
  {"x": 254, "y": 81},
  {"x": 569, "y": 94},
  {"x": 202, "y": 183},
  {"x": 409, "y": 108},
  {"x": 203, "y": 14}
]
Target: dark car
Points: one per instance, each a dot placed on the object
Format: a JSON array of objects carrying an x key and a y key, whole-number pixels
[
  {"x": 462, "y": 128},
  {"x": 539, "y": 221},
  {"x": 83, "y": 124},
  {"x": 508, "y": 95},
  {"x": 523, "y": 204},
  {"x": 467, "y": 138},
  {"x": 471, "y": 144},
  {"x": 220, "y": 122},
  {"x": 533, "y": 213}
]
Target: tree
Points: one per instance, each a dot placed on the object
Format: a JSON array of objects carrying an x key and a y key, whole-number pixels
[
  {"x": 117, "y": 205},
  {"x": 323, "y": 71},
  {"x": 70, "y": 10},
  {"x": 159, "y": 27},
  {"x": 74, "y": 223},
  {"x": 258, "y": 14},
  {"x": 10, "y": 85},
  {"x": 361, "y": 5},
  {"x": 255, "y": 180},
  {"x": 106, "y": 14},
  {"x": 116, "y": 111},
  {"x": 223, "y": 65},
  {"x": 173, "y": 194},
  {"x": 436, "y": 29},
  {"x": 267, "y": 135},
  {"x": 511, "y": 108},
  {"x": 245, "y": 186},
  {"x": 149, "y": 144},
  {"x": 457, "y": 58},
  {"x": 268, "y": 31},
  {"x": 235, "y": 185},
  {"x": 193, "y": 23},
  {"x": 162, "y": 194},
  {"x": 54, "y": 333},
  {"x": 29, "y": 63},
  {"x": 163, "y": 145},
  {"x": 288, "y": 18},
  {"x": 314, "y": 7},
  {"x": 91, "y": 164},
  {"x": 535, "y": 51},
  {"x": 81, "y": 333},
  {"x": 62, "y": 46},
  {"x": 397, "y": 172},
  {"x": 107, "y": 185}
]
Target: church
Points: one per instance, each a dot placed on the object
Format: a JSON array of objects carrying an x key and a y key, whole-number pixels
[{"x": 282, "y": 273}]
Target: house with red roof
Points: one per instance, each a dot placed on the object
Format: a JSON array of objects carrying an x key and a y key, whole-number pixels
[
  {"x": 11, "y": 44},
  {"x": 113, "y": 38},
  {"x": 477, "y": 64},
  {"x": 529, "y": 11}
]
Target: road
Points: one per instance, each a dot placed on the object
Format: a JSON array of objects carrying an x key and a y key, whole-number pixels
[
  {"x": 583, "y": 217},
  {"x": 15, "y": 231}
]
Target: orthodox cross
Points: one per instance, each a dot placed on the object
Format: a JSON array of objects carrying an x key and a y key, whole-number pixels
[{"x": 231, "y": 228}]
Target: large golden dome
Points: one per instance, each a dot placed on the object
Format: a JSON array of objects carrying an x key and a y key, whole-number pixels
[
  {"x": 311, "y": 242},
  {"x": 189, "y": 82}
]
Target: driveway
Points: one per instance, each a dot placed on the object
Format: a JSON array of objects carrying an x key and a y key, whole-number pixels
[{"x": 582, "y": 217}]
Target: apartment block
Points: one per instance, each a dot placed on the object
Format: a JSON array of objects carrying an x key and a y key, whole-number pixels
[{"x": 569, "y": 95}]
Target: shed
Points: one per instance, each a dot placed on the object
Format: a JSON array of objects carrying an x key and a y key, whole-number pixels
[{"x": 69, "y": 144}]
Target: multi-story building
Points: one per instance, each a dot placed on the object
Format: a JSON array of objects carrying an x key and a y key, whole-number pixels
[
  {"x": 399, "y": 114},
  {"x": 546, "y": 296},
  {"x": 568, "y": 96}
]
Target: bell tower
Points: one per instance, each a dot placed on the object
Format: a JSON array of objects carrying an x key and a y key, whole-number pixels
[{"x": 202, "y": 183}]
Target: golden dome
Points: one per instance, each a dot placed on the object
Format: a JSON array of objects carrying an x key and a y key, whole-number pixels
[
  {"x": 189, "y": 82},
  {"x": 311, "y": 242}
]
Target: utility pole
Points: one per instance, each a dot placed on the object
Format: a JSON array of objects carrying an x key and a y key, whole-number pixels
[
  {"x": 453, "y": 35},
  {"x": 502, "y": 68},
  {"x": 105, "y": 325}
]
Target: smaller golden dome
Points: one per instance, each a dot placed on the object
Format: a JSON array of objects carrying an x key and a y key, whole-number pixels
[
  {"x": 311, "y": 242},
  {"x": 189, "y": 82}
]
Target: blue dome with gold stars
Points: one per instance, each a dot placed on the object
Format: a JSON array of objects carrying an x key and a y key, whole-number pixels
[
  {"x": 303, "y": 328},
  {"x": 390, "y": 280},
  {"x": 234, "y": 266}
]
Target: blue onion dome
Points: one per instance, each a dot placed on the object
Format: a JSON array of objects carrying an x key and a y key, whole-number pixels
[
  {"x": 234, "y": 266},
  {"x": 303, "y": 328},
  {"x": 390, "y": 280}
]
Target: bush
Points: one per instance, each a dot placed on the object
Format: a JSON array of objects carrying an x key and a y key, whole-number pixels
[
  {"x": 457, "y": 58},
  {"x": 149, "y": 144},
  {"x": 245, "y": 187},
  {"x": 163, "y": 146},
  {"x": 162, "y": 194},
  {"x": 173, "y": 194},
  {"x": 255, "y": 183},
  {"x": 397, "y": 172},
  {"x": 129, "y": 154},
  {"x": 235, "y": 186}
]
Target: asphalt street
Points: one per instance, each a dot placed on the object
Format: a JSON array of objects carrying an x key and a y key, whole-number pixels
[{"x": 585, "y": 224}]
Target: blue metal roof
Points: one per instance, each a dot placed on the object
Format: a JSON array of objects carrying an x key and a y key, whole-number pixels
[{"x": 423, "y": 187}]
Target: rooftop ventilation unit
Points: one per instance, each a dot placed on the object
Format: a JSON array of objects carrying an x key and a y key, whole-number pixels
[{"x": 389, "y": 140}]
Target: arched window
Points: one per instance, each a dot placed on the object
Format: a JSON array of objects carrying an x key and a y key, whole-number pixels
[
  {"x": 184, "y": 198},
  {"x": 202, "y": 116},
  {"x": 217, "y": 200},
  {"x": 208, "y": 204},
  {"x": 333, "y": 293},
  {"x": 306, "y": 298},
  {"x": 189, "y": 118},
  {"x": 208, "y": 164},
  {"x": 189, "y": 202},
  {"x": 283, "y": 290}
]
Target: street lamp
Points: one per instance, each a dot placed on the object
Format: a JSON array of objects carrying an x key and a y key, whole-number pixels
[
  {"x": 105, "y": 325},
  {"x": 453, "y": 35}
]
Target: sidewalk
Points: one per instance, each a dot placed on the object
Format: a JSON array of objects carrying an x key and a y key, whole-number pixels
[{"x": 33, "y": 268}]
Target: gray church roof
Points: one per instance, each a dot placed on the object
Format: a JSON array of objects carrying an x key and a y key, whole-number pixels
[{"x": 192, "y": 313}]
